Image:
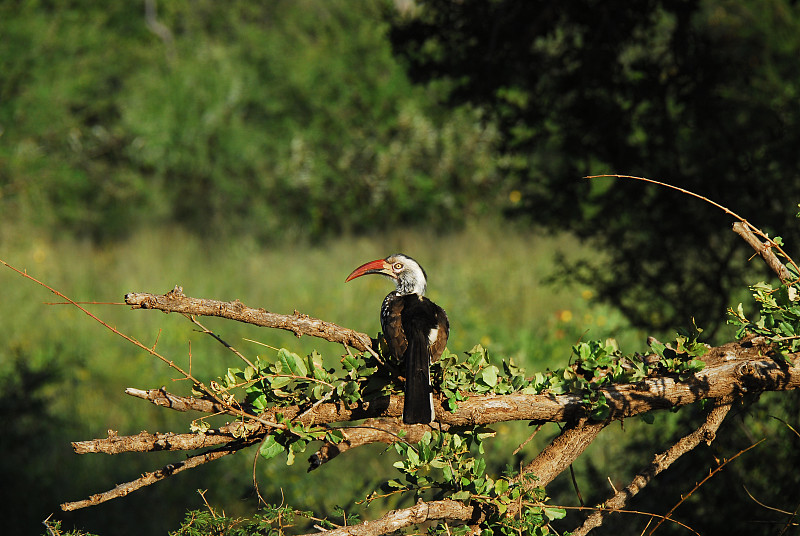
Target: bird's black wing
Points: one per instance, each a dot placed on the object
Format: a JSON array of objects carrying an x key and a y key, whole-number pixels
[{"x": 392, "y": 325}]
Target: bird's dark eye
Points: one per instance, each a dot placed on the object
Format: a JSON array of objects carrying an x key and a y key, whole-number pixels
[{"x": 398, "y": 266}]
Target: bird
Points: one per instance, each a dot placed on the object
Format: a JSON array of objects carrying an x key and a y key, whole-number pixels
[{"x": 415, "y": 329}]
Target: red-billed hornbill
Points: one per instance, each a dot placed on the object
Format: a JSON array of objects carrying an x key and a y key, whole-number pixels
[{"x": 415, "y": 329}]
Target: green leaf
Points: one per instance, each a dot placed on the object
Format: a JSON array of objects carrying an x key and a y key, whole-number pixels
[
  {"x": 501, "y": 486},
  {"x": 489, "y": 375},
  {"x": 334, "y": 436},
  {"x": 292, "y": 363},
  {"x": 484, "y": 432},
  {"x": 280, "y": 381},
  {"x": 554, "y": 513},
  {"x": 438, "y": 463},
  {"x": 658, "y": 348},
  {"x": 249, "y": 373},
  {"x": 350, "y": 363},
  {"x": 270, "y": 447}
]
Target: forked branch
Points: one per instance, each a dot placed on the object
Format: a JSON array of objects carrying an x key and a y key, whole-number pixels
[{"x": 705, "y": 433}]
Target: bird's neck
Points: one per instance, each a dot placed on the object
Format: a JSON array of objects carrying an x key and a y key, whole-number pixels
[{"x": 410, "y": 286}]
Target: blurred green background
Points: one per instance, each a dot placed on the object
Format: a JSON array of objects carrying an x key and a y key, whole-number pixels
[{"x": 262, "y": 151}]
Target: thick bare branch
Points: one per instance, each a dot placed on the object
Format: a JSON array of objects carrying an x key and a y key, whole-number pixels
[
  {"x": 147, "y": 442},
  {"x": 562, "y": 451},
  {"x": 704, "y": 434},
  {"x": 175, "y": 301},
  {"x": 406, "y": 517}
]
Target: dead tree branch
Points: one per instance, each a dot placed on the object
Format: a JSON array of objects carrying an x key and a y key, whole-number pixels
[
  {"x": 704, "y": 434},
  {"x": 147, "y": 442},
  {"x": 160, "y": 397},
  {"x": 765, "y": 250},
  {"x": 407, "y": 517},
  {"x": 562, "y": 451},
  {"x": 150, "y": 478},
  {"x": 175, "y": 301},
  {"x": 731, "y": 370}
]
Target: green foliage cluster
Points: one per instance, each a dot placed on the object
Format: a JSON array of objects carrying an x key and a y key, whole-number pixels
[
  {"x": 444, "y": 464},
  {"x": 441, "y": 463},
  {"x": 778, "y": 314},
  {"x": 269, "y": 521},
  {"x": 276, "y": 120},
  {"x": 293, "y": 380}
]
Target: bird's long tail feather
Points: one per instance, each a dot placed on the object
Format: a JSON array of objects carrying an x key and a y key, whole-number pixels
[{"x": 418, "y": 405}]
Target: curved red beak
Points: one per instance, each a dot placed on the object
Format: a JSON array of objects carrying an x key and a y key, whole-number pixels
[{"x": 379, "y": 266}]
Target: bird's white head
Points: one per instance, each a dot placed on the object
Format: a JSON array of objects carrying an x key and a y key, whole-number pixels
[{"x": 408, "y": 275}]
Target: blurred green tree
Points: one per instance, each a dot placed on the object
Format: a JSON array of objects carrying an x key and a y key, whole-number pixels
[{"x": 280, "y": 120}]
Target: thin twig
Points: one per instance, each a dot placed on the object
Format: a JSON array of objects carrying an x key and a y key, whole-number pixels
[
  {"x": 789, "y": 426},
  {"x": 530, "y": 437},
  {"x": 764, "y": 505},
  {"x": 789, "y": 522},
  {"x": 46, "y": 524},
  {"x": 753, "y": 228},
  {"x": 219, "y": 339},
  {"x": 711, "y": 474},
  {"x": 200, "y": 385},
  {"x": 678, "y": 188},
  {"x": 83, "y": 302},
  {"x": 575, "y": 485},
  {"x": 622, "y": 511}
]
